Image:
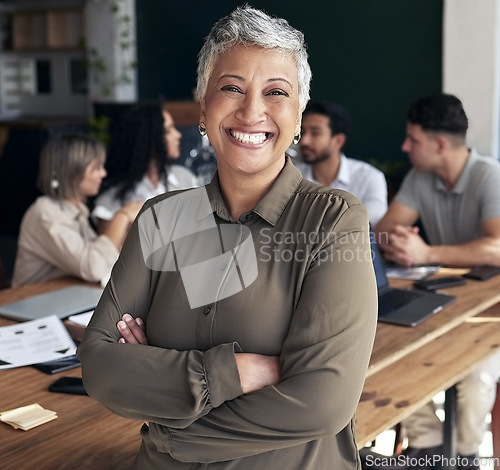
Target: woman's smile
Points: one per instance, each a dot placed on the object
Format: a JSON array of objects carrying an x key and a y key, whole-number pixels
[{"x": 256, "y": 138}]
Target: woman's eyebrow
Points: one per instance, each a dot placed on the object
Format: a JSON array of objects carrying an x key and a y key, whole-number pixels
[
  {"x": 237, "y": 77},
  {"x": 281, "y": 80},
  {"x": 270, "y": 80}
]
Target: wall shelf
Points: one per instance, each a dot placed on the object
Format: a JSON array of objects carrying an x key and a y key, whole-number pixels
[
  {"x": 48, "y": 29},
  {"x": 42, "y": 58}
]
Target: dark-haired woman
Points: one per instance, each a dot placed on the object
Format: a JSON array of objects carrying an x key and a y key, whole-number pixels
[{"x": 141, "y": 160}]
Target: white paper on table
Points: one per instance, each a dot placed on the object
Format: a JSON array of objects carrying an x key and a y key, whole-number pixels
[
  {"x": 412, "y": 273},
  {"x": 34, "y": 341},
  {"x": 82, "y": 318}
]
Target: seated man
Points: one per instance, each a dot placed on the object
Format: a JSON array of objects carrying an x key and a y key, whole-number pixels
[
  {"x": 456, "y": 195},
  {"x": 325, "y": 126}
]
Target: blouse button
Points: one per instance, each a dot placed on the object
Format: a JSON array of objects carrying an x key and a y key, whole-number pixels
[
  {"x": 207, "y": 310},
  {"x": 249, "y": 217}
]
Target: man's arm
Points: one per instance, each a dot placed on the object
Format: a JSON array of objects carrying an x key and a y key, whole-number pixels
[
  {"x": 485, "y": 250},
  {"x": 393, "y": 233},
  {"x": 405, "y": 246},
  {"x": 397, "y": 214}
]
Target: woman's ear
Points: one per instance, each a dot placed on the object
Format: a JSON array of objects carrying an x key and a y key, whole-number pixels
[
  {"x": 298, "y": 128},
  {"x": 202, "y": 111}
]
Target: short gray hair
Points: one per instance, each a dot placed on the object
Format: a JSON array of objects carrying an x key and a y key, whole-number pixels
[
  {"x": 63, "y": 162},
  {"x": 249, "y": 26}
]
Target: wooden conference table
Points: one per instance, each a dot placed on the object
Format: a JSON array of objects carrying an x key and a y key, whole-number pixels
[
  {"x": 84, "y": 436},
  {"x": 408, "y": 366}
]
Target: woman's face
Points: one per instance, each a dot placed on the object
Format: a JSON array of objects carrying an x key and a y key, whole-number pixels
[
  {"x": 172, "y": 136},
  {"x": 251, "y": 110},
  {"x": 92, "y": 178}
]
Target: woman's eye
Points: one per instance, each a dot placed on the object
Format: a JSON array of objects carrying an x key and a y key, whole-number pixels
[
  {"x": 231, "y": 88},
  {"x": 278, "y": 93}
]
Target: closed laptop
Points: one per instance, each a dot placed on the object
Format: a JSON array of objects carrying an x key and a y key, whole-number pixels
[{"x": 62, "y": 302}]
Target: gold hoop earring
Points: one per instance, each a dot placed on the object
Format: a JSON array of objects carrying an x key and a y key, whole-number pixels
[
  {"x": 202, "y": 129},
  {"x": 296, "y": 138}
]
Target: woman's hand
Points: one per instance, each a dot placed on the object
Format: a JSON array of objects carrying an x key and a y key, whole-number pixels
[
  {"x": 130, "y": 210},
  {"x": 257, "y": 371},
  {"x": 133, "y": 330},
  {"x": 117, "y": 228}
]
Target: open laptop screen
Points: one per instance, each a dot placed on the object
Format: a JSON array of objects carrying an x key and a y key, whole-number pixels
[{"x": 378, "y": 265}]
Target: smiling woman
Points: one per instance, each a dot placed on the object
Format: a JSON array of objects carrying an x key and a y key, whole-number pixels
[
  {"x": 235, "y": 360},
  {"x": 251, "y": 112}
]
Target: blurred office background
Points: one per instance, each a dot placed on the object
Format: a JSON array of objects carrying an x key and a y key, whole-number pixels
[{"x": 76, "y": 64}]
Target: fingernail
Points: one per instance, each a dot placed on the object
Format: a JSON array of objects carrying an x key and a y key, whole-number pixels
[
  {"x": 121, "y": 340},
  {"x": 139, "y": 321},
  {"x": 127, "y": 317},
  {"x": 121, "y": 325}
]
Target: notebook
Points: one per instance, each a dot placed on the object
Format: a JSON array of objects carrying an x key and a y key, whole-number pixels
[
  {"x": 62, "y": 302},
  {"x": 407, "y": 307}
]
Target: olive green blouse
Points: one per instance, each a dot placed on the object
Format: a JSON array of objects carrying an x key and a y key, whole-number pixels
[{"x": 293, "y": 277}]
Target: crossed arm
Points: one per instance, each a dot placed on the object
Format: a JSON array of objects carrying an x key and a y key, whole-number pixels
[
  {"x": 256, "y": 371},
  {"x": 209, "y": 413},
  {"x": 401, "y": 243}
]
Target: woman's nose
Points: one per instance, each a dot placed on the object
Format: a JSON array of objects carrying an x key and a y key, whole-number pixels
[{"x": 252, "y": 109}]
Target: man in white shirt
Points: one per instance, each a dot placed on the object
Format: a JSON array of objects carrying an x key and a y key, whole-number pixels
[{"x": 325, "y": 126}]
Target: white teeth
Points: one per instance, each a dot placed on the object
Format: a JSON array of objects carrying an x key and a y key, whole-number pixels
[{"x": 249, "y": 138}]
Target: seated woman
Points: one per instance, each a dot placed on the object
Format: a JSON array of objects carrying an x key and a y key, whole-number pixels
[
  {"x": 56, "y": 238},
  {"x": 140, "y": 156}
]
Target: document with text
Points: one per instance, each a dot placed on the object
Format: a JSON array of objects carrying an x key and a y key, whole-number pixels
[{"x": 34, "y": 341}]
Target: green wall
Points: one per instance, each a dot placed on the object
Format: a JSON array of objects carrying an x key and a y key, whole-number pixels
[{"x": 373, "y": 56}]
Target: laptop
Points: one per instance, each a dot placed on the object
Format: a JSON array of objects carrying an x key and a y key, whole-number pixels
[
  {"x": 406, "y": 307},
  {"x": 62, "y": 302}
]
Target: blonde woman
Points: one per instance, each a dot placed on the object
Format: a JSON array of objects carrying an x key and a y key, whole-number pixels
[{"x": 56, "y": 238}]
